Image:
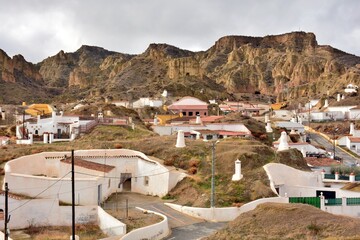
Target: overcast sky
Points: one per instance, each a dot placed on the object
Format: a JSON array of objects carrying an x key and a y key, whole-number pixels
[{"x": 38, "y": 29}]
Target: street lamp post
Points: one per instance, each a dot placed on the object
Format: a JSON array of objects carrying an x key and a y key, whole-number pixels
[
  {"x": 334, "y": 146},
  {"x": 212, "y": 197}
]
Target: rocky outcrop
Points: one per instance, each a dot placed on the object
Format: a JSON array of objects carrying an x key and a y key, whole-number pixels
[
  {"x": 17, "y": 69},
  {"x": 83, "y": 67},
  {"x": 287, "y": 66}
]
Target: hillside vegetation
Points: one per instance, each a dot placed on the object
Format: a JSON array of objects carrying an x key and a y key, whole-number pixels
[{"x": 289, "y": 221}]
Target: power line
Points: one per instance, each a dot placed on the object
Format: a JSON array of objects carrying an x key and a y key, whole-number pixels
[
  {"x": 39, "y": 193},
  {"x": 149, "y": 175}
]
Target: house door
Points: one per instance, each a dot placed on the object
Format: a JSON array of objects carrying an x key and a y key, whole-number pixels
[
  {"x": 326, "y": 194},
  {"x": 99, "y": 194},
  {"x": 125, "y": 181},
  {"x": 59, "y": 133}
]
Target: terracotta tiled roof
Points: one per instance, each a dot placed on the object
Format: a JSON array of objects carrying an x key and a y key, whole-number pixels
[
  {"x": 231, "y": 133},
  {"x": 188, "y": 107},
  {"x": 13, "y": 196},
  {"x": 209, "y": 118},
  {"x": 354, "y": 139},
  {"x": 89, "y": 165}
]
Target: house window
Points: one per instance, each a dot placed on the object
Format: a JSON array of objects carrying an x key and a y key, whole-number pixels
[
  {"x": 36, "y": 132},
  {"x": 184, "y": 113},
  {"x": 209, "y": 137},
  {"x": 197, "y": 113},
  {"x": 146, "y": 181},
  {"x": 205, "y": 114},
  {"x": 352, "y": 146},
  {"x": 190, "y": 113}
]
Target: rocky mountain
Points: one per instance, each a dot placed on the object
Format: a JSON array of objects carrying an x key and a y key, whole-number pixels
[
  {"x": 21, "y": 81},
  {"x": 287, "y": 66}
]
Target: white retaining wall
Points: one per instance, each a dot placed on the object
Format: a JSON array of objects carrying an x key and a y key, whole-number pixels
[
  {"x": 347, "y": 210},
  {"x": 153, "y": 232},
  {"x": 110, "y": 225},
  {"x": 2, "y": 236},
  {"x": 45, "y": 212},
  {"x": 224, "y": 214}
]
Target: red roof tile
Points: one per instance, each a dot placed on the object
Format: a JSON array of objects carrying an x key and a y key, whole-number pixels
[{"x": 89, "y": 165}]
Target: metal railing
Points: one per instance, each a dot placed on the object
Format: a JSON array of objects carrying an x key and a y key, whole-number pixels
[
  {"x": 314, "y": 201},
  {"x": 333, "y": 202}
]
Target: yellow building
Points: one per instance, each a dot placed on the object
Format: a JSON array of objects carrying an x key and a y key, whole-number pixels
[{"x": 39, "y": 109}]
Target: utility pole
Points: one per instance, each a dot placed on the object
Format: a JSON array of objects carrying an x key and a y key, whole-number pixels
[
  {"x": 73, "y": 193},
  {"x": 335, "y": 130},
  {"x": 309, "y": 113},
  {"x": 212, "y": 199},
  {"x": 6, "y": 211}
]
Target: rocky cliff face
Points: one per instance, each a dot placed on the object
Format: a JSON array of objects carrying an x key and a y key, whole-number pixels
[
  {"x": 286, "y": 66},
  {"x": 17, "y": 68}
]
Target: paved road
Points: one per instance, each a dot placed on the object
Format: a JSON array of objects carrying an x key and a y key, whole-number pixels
[
  {"x": 182, "y": 226},
  {"x": 347, "y": 158},
  {"x": 195, "y": 231}
]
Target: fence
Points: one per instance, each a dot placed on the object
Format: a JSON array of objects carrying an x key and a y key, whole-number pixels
[
  {"x": 341, "y": 177},
  {"x": 314, "y": 201},
  {"x": 333, "y": 202},
  {"x": 88, "y": 126},
  {"x": 329, "y": 176},
  {"x": 352, "y": 201}
]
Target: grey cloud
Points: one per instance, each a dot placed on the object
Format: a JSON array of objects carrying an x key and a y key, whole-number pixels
[{"x": 46, "y": 27}]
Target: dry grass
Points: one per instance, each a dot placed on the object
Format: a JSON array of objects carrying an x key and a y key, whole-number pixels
[
  {"x": 85, "y": 232},
  {"x": 289, "y": 221},
  {"x": 136, "y": 218}
]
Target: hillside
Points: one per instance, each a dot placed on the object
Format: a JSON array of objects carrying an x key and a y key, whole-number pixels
[
  {"x": 289, "y": 221},
  {"x": 195, "y": 158},
  {"x": 287, "y": 66}
]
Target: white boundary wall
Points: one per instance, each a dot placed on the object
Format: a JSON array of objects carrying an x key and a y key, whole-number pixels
[
  {"x": 45, "y": 212},
  {"x": 2, "y": 236},
  {"x": 153, "y": 232},
  {"x": 224, "y": 214},
  {"x": 110, "y": 225}
]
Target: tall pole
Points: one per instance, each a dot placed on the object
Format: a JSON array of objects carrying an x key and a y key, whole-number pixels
[
  {"x": 309, "y": 113},
  {"x": 212, "y": 199},
  {"x": 23, "y": 123},
  {"x": 6, "y": 211},
  {"x": 334, "y": 143},
  {"x": 73, "y": 193}
]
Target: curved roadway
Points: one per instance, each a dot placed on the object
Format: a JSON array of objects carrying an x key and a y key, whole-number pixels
[{"x": 346, "y": 157}]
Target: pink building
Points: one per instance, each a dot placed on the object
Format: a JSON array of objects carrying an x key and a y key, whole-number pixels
[{"x": 189, "y": 106}]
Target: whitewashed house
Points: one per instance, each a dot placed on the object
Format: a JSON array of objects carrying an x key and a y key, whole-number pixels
[
  {"x": 354, "y": 113},
  {"x": 317, "y": 116},
  {"x": 206, "y": 129},
  {"x": 122, "y": 103},
  {"x": 147, "y": 102},
  {"x": 298, "y": 127},
  {"x": 351, "y": 88},
  {"x": 353, "y": 144},
  {"x": 344, "y": 109},
  {"x": 282, "y": 114},
  {"x": 99, "y": 173},
  {"x": 58, "y": 125}
]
